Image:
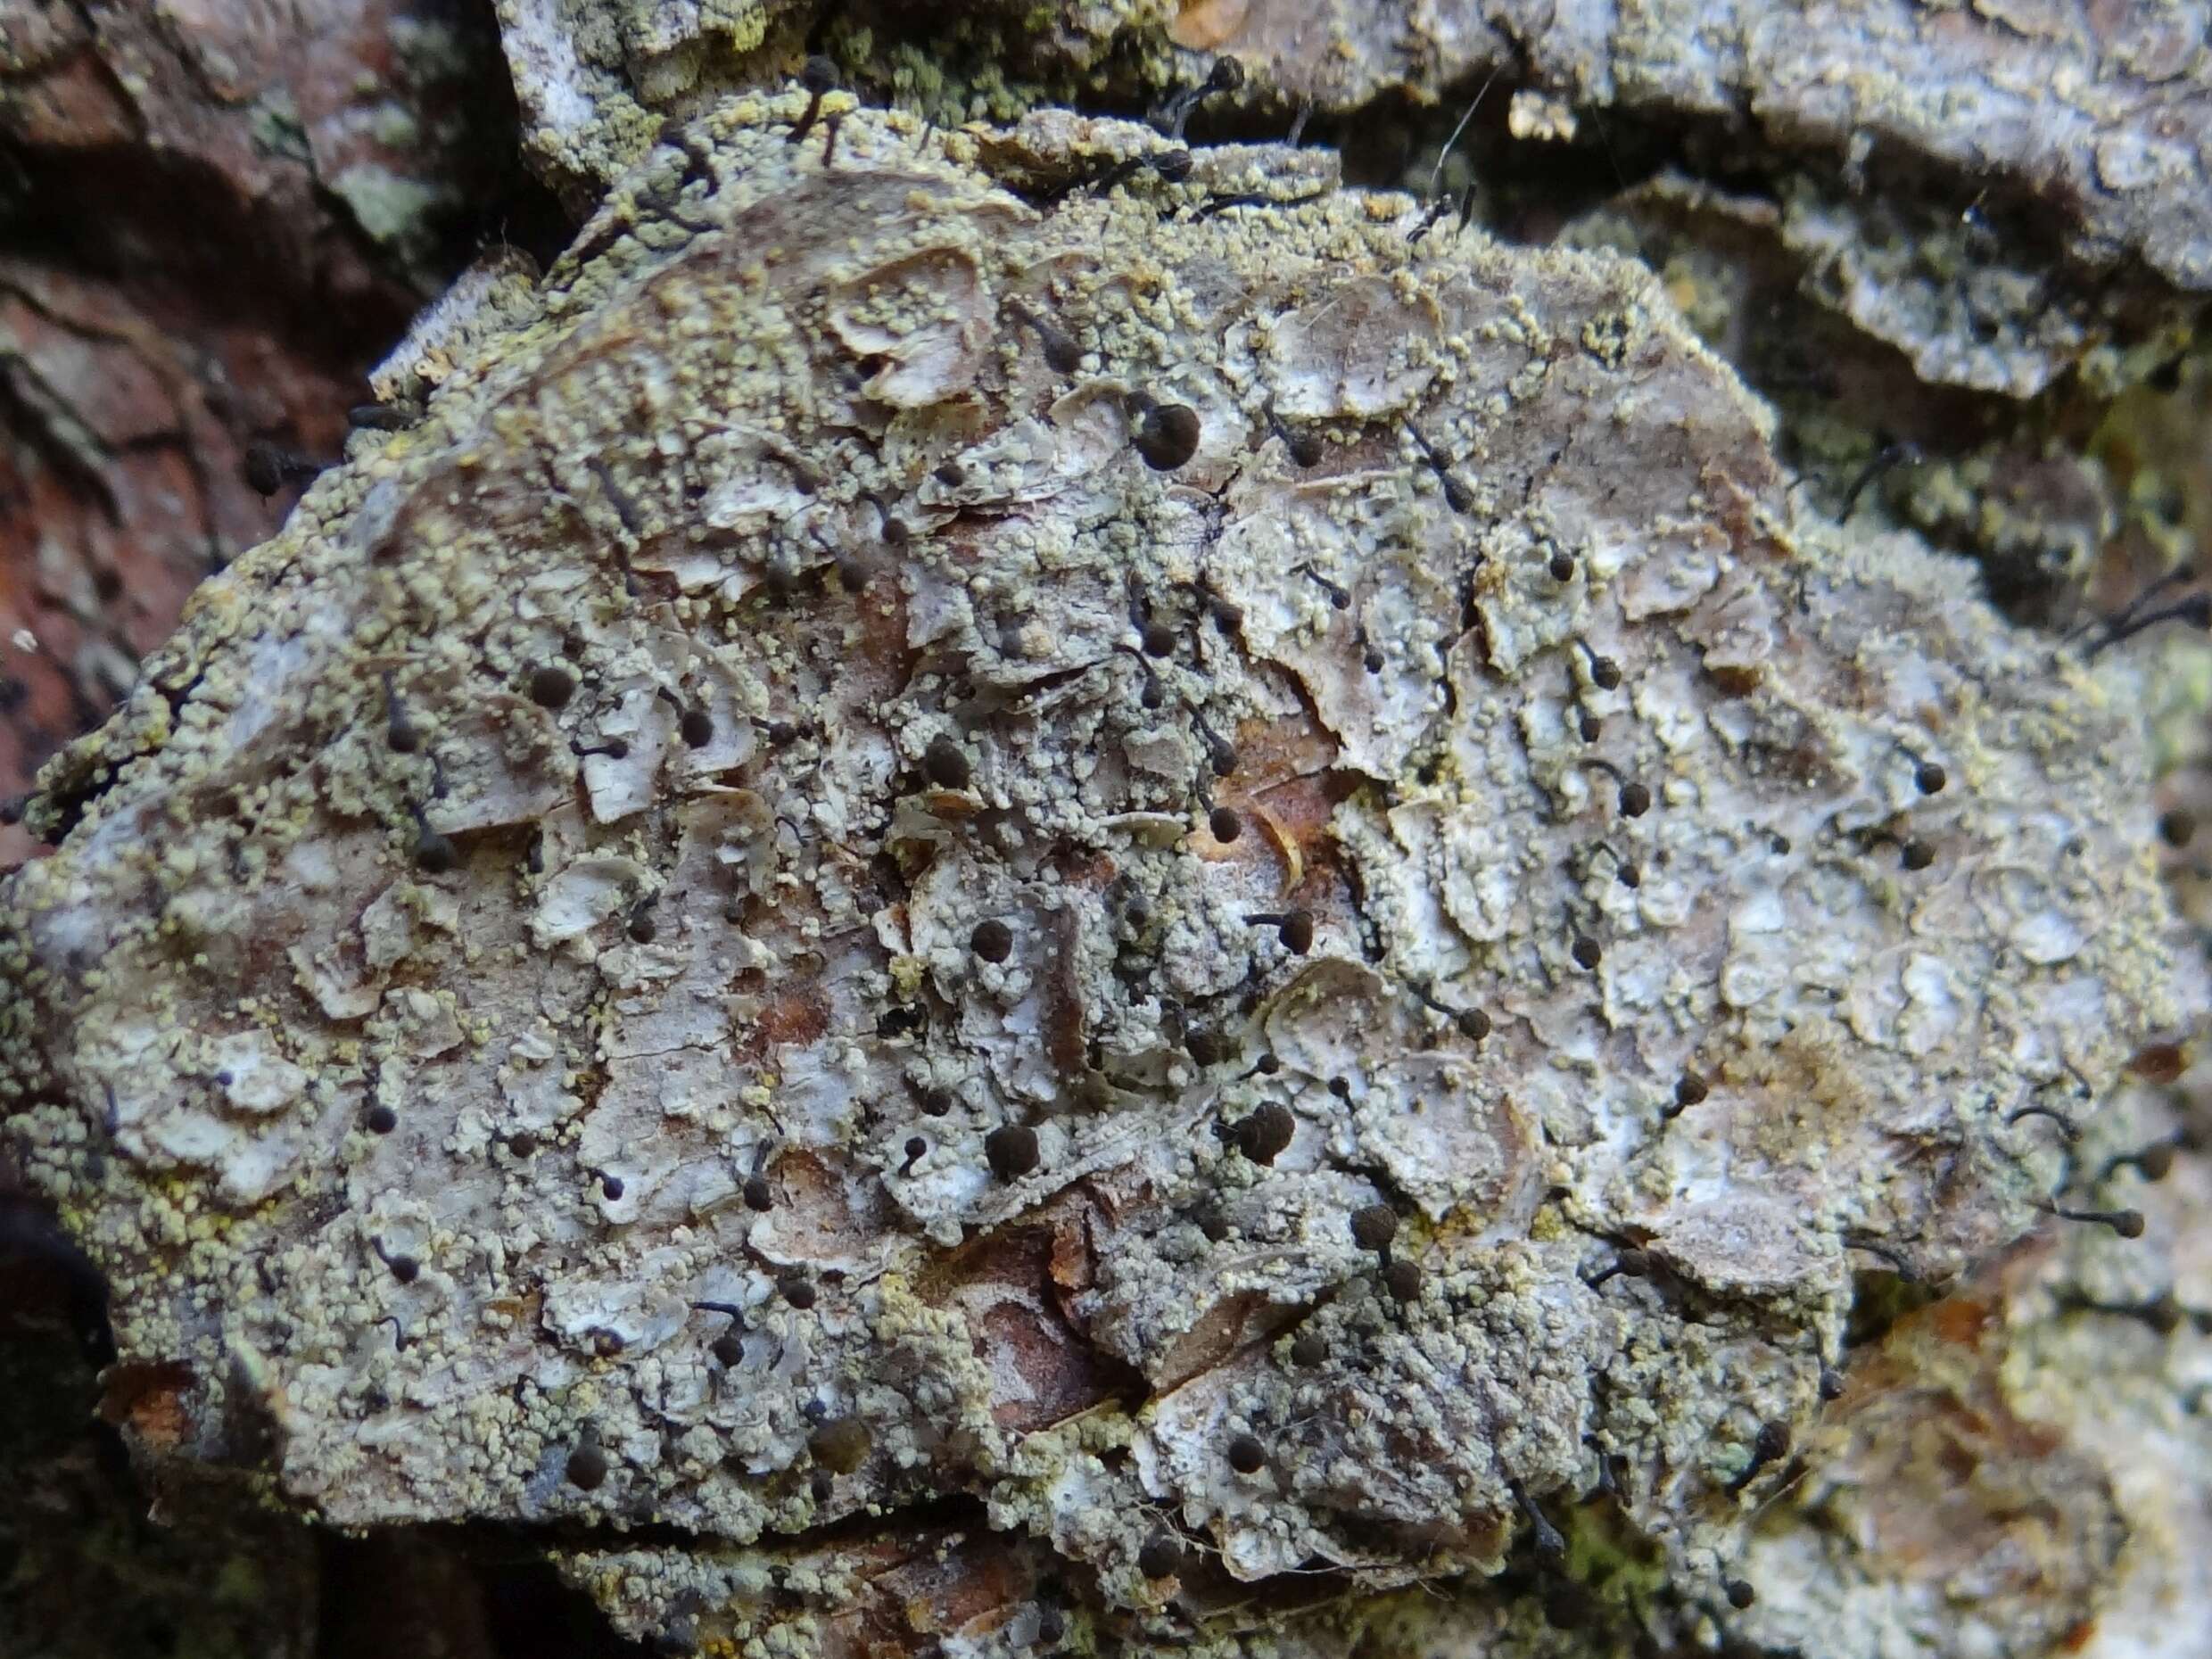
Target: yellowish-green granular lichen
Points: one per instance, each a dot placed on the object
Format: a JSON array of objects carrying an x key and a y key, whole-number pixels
[{"x": 1107, "y": 898}]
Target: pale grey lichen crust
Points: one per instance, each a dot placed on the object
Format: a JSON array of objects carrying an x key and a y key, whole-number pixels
[
  {"x": 778, "y": 474},
  {"x": 2097, "y": 120}
]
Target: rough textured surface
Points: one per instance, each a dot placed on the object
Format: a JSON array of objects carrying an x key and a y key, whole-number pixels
[
  {"x": 2099, "y": 116},
  {"x": 349, "y": 133},
  {"x": 593, "y": 79},
  {"x": 214, "y": 216},
  {"x": 1994, "y": 222},
  {"x": 128, "y": 414},
  {"x": 808, "y": 913},
  {"x": 2100, "y": 113},
  {"x": 2030, "y": 467}
]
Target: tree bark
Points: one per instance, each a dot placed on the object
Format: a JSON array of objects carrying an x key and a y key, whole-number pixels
[{"x": 1024, "y": 879}]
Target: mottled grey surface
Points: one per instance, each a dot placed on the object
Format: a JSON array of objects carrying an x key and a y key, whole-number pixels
[
  {"x": 816, "y": 903},
  {"x": 2093, "y": 119}
]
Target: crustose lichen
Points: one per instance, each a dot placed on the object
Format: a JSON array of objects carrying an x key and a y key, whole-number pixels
[{"x": 1235, "y": 890}]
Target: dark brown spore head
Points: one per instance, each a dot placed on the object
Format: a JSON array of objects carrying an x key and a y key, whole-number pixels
[
  {"x": 521, "y": 1144},
  {"x": 1473, "y": 1024},
  {"x": 840, "y": 1445},
  {"x": 1373, "y": 1226},
  {"x": 382, "y": 1120},
  {"x": 1247, "y": 1455},
  {"x": 1916, "y": 856},
  {"x": 1634, "y": 800},
  {"x": 1605, "y": 672},
  {"x": 1402, "y": 1279},
  {"x": 1929, "y": 778},
  {"x": 1225, "y": 824},
  {"x": 1587, "y": 953},
  {"x": 1160, "y": 639},
  {"x": 797, "y": 1290},
  {"x": 379, "y": 416},
  {"x": 2177, "y": 828},
  {"x": 1012, "y": 1151},
  {"x": 1161, "y": 1557},
  {"x": 611, "y": 1187},
  {"x": 820, "y": 75},
  {"x": 1689, "y": 1089},
  {"x": 1062, "y": 354},
  {"x": 946, "y": 763},
  {"x": 1297, "y": 931},
  {"x": 1309, "y": 1350},
  {"x": 551, "y": 686},
  {"x": 1562, "y": 567},
  {"x": 729, "y": 1350},
  {"x": 1740, "y": 1594},
  {"x": 1166, "y": 436},
  {"x": 992, "y": 940},
  {"x": 406, "y": 1269},
  {"x": 587, "y": 1466},
  {"x": 696, "y": 726},
  {"x": 434, "y": 854},
  {"x": 1264, "y": 1134},
  {"x": 269, "y": 468},
  {"x": 759, "y": 1196}
]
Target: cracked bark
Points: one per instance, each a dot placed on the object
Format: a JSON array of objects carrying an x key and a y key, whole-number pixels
[{"x": 1975, "y": 1415}]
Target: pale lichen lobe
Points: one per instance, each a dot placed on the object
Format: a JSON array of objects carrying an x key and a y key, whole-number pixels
[{"x": 906, "y": 798}]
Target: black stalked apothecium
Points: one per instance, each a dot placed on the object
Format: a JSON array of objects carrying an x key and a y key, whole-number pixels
[
  {"x": 1012, "y": 1151},
  {"x": 1166, "y": 436}
]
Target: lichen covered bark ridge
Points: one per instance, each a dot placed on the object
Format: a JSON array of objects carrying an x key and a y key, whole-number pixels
[{"x": 1014, "y": 821}]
